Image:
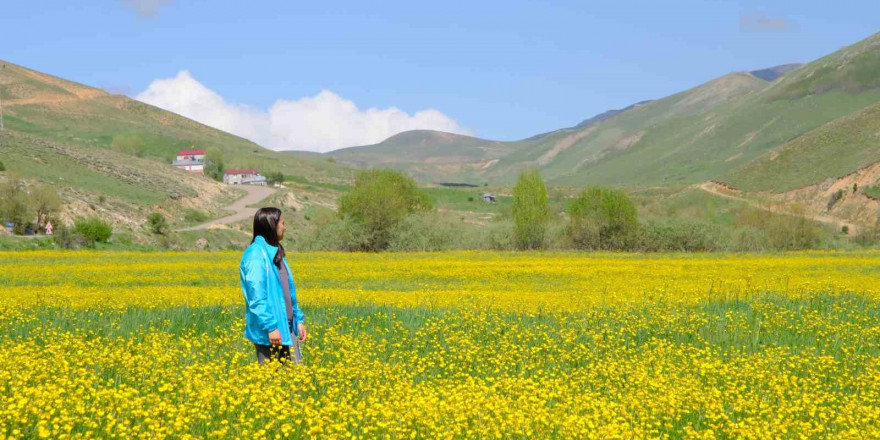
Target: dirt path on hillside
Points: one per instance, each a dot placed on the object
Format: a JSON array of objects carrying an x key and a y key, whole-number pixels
[
  {"x": 254, "y": 195},
  {"x": 718, "y": 190}
]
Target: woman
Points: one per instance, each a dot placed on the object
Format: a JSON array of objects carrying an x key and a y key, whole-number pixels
[{"x": 273, "y": 316}]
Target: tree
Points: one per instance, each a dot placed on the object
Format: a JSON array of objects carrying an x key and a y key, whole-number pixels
[
  {"x": 530, "y": 210},
  {"x": 93, "y": 230},
  {"x": 158, "y": 223},
  {"x": 602, "y": 218},
  {"x": 380, "y": 199},
  {"x": 14, "y": 203},
  {"x": 275, "y": 177},
  {"x": 214, "y": 164},
  {"x": 44, "y": 201}
]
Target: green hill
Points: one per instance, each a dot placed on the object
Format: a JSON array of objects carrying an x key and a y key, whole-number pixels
[
  {"x": 48, "y": 107},
  {"x": 711, "y": 131},
  {"x": 110, "y": 155}
]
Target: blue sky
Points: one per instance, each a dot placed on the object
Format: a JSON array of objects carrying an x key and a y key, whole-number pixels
[{"x": 497, "y": 69}]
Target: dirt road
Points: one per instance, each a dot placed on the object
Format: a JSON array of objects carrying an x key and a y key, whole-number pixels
[
  {"x": 254, "y": 195},
  {"x": 714, "y": 189}
]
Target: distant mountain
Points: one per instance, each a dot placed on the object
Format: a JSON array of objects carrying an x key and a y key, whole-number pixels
[
  {"x": 775, "y": 72},
  {"x": 712, "y": 131}
]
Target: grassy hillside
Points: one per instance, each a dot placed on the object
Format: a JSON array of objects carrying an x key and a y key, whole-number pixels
[
  {"x": 832, "y": 150},
  {"x": 853, "y": 69},
  {"x": 707, "y": 132},
  {"x": 48, "y": 107},
  {"x": 109, "y": 156}
]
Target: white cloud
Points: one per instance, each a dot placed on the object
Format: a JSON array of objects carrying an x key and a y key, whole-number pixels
[{"x": 322, "y": 122}]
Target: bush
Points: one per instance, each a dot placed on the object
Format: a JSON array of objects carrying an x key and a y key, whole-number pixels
[
  {"x": 158, "y": 223},
  {"x": 334, "y": 234},
  {"x": 603, "y": 218},
  {"x": 93, "y": 230},
  {"x": 15, "y": 204},
  {"x": 783, "y": 232},
  {"x": 275, "y": 177},
  {"x": 680, "y": 235},
  {"x": 66, "y": 238},
  {"x": 380, "y": 199},
  {"x": 2, "y": 167},
  {"x": 195, "y": 216},
  {"x": 530, "y": 212},
  {"x": 214, "y": 164},
  {"x": 429, "y": 232}
]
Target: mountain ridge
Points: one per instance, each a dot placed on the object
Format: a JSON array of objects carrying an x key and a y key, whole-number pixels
[{"x": 703, "y": 133}]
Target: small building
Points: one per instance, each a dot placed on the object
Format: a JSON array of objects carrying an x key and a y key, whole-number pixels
[
  {"x": 244, "y": 176},
  {"x": 489, "y": 198},
  {"x": 191, "y": 160},
  {"x": 191, "y": 155}
]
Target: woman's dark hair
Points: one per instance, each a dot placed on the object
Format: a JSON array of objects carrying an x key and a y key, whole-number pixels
[{"x": 266, "y": 226}]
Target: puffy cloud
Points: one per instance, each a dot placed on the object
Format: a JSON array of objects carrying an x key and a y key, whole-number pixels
[
  {"x": 145, "y": 8},
  {"x": 322, "y": 122}
]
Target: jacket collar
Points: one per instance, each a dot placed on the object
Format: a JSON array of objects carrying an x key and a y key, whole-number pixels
[{"x": 262, "y": 242}]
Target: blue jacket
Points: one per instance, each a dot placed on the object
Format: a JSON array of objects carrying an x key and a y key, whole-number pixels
[{"x": 263, "y": 295}]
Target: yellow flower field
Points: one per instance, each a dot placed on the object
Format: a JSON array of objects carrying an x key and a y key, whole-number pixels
[{"x": 446, "y": 345}]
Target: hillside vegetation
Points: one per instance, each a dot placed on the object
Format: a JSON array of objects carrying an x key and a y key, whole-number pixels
[
  {"x": 109, "y": 155},
  {"x": 713, "y": 131}
]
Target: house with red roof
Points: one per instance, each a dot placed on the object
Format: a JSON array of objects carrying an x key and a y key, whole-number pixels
[
  {"x": 244, "y": 176},
  {"x": 190, "y": 160}
]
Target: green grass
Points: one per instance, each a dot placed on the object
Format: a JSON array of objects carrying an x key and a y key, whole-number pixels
[
  {"x": 831, "y": 151},
  {"x": 872, "y": 192},
  {"x": 56, "y": 164}
]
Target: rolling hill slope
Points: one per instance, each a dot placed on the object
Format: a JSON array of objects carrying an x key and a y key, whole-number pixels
[
  {"x": 708, "y": 132},
  {"x": 110, "y": 155}
]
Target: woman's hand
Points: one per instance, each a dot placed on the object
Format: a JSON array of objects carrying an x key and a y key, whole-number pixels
[
  {"x": 302, "y": 332},
  {"x": 275, "y": 337}
]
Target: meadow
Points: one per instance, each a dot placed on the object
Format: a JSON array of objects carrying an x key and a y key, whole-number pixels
[{"x": 446, "y": 345}]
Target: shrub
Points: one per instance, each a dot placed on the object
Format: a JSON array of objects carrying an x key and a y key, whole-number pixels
[
  {"x": 275, "y": 177},
  {"x": 603, "y": 218},
  {"x": 194, "y": 216},
  {"x": 530, "y": 212},
  {"x": 680, "y": 235},
  {"x": 334, "y": 234},
  {"x": 214, "y": 164},
  {"x": 66, "y": 237},
  {"x": 380, "y": 199},
  {"x": 2, "y": 167},
  {"x": 835, "y": 197},
  {"x": 783, "y": 232},
  {"x": 15, "y": 204},
  {"x": 429, "y": 232},
  {"x": 158, "y": 223},
  {"x": 93, "y": 230}
]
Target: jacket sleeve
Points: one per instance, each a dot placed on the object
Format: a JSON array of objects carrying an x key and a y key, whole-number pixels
[
  {"x": 298, "y": 315},
  {"x": 254, "y": 277}
]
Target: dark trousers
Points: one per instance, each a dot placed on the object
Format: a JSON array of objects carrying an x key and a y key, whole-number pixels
[{"x": 281, "y": 353}]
